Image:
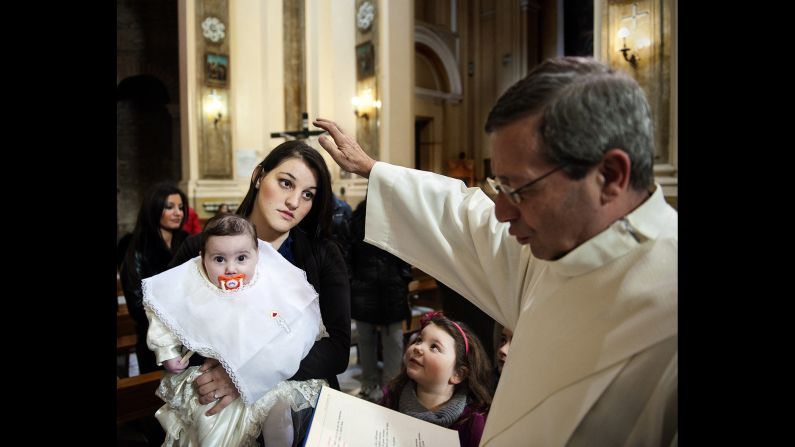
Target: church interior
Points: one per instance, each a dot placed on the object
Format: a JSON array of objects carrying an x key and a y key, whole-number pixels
[{"x": 205, "y": 89}]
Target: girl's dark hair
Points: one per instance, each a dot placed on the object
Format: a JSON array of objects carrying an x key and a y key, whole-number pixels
[
  {"x": 318, "y": 221},
  {"x": 474, "y": 367},
  {"x": 227, "y": 225},
  {"x": 147, "y": 238}
]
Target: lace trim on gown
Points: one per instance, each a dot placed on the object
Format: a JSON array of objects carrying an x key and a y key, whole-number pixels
[{"x": 208, "y": 352}]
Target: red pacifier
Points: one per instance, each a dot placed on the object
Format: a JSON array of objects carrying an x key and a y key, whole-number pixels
[{"x": 231, "y": 282}]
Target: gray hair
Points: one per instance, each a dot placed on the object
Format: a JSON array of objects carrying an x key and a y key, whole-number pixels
[{"x": 587, "y": 108}]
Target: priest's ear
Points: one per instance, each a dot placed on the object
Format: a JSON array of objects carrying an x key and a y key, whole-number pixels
[{"x": 614, "y": 173}]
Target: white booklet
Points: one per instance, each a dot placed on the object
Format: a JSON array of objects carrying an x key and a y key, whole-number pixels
[{"x": 342, "y": 420}]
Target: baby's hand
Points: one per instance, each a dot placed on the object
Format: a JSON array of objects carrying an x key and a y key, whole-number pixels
[{"x": 175, "y": 365}]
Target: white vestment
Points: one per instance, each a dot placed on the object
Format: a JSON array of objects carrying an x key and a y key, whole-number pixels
[{"x": 594, "y": 354}]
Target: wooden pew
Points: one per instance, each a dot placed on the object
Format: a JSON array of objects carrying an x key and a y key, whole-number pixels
[
  {"x": 135, "y": 396},
  {"x": 424, "y": 296},
  {"x": 125, "y": 325},
  {"x": 119, "y": 290},
  {"x": 126, "y": 344},
  {"x": 423, "y": 290},
  {"x": 126, "y": 339}
]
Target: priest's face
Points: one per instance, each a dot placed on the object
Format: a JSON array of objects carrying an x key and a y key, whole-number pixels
[
  {"x": 555, "y": 214},
  {"x": 230, "y": 256}
]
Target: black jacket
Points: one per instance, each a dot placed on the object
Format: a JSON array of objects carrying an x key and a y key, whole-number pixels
[
  {"x": 379, "y": 280},
  {"x": 134, "y": 268},
  {"x": 325, "y": 269}
]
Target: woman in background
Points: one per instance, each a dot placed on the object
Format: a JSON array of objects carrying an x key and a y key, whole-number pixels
[{"x": 155, "y": 239}]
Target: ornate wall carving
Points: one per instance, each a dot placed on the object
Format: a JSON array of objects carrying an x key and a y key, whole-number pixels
[{"x": 214, "y": 82}]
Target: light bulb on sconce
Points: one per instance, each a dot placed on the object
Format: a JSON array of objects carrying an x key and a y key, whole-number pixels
[
  {"x": 632, "y": 59},
  {"x": 214, "y": 107},
  {"x": 366, "y": 104}
]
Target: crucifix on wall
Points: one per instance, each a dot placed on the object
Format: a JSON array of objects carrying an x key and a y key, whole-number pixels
[{"x": 302, "y": 134}]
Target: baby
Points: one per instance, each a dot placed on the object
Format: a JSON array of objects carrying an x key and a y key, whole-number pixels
[{"x": 242, "y": 303}]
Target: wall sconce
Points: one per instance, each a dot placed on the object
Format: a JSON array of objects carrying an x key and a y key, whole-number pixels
[
  {"x": 623, "y": 33},
  {"x": 214, "y": 107},
  {"x": 366, "y": 104}
]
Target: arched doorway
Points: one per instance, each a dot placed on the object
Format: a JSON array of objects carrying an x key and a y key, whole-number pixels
[
  {"x": 147, "y": 144},
  {"x": 437, "y": 85}
]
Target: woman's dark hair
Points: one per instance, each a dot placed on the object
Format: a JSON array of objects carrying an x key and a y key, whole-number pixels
[
  {"x": 227, "y": 225},
  {"x": 146, "y": 235},
  {"x": 318, "y": 221},
  {"x": 474, "y": 366}
]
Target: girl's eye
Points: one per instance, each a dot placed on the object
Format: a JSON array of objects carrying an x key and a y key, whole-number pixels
[
  {"x": 417, "y": 340},
  {"x": 284, "y": 183},
  {"x": 308, "y": 195},
  {"x": 241, "y": 258},
  {"x": 218, "y": 259},
  {"x": 435, "y": 347}
]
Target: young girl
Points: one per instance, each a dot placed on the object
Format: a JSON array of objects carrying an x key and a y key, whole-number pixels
[
  {"x": 242, "y": 303},
  {"x": 444, "y": 379}
]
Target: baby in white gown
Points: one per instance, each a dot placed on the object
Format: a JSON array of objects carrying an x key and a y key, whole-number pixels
[{"x": 242, "y": 303}]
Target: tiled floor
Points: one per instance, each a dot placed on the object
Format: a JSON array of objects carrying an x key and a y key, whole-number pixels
[{"x": 349, "y": 380}]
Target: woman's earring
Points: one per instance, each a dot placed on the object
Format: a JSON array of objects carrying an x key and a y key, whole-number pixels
[{"x": 257, "y": 185}]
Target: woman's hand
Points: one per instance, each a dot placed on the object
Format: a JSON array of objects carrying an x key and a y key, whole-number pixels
[
  {"x": 215, "y": 384},
  {"x": 346, "y": 152}
]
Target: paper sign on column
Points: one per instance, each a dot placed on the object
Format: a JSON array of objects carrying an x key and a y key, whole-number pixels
[{"x": 342, "y": 420}]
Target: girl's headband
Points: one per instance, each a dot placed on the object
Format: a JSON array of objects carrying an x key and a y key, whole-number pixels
[{"x": 425, "y": 319}]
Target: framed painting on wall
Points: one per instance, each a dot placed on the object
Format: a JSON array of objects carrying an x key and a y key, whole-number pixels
[
  {"x": 365, "y": 66},
  {"x": 216, "y": 69}
]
